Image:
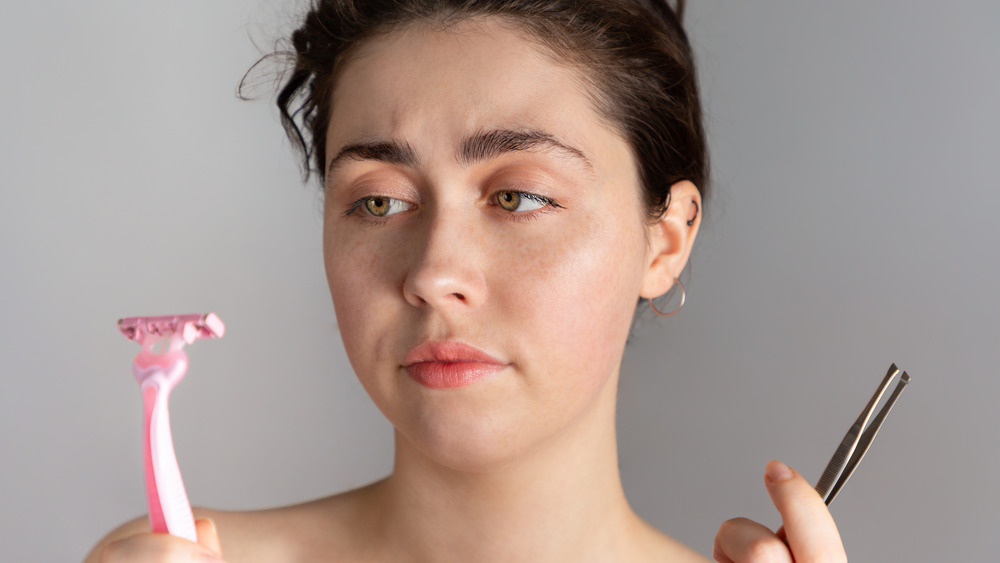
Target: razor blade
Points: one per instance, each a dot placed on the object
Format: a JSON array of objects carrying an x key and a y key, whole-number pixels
[{"x": 188, "y": 327}]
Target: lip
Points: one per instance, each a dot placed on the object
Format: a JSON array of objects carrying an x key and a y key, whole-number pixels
[{"x": 447, "y": 365}]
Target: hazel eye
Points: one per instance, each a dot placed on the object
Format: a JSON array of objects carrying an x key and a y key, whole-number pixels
[
  {"x": 509, "y": 200},
  {"x": 381, "y": 206},
  {"x": 520, "y": 202},
  {"x": 377, "y": 206}
]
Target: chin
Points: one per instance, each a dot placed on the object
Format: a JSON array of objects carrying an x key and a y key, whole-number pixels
[{"x": 468, "y": 437}]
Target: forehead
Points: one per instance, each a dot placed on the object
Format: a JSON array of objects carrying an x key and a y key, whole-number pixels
[{"x": 434, "y": 85}]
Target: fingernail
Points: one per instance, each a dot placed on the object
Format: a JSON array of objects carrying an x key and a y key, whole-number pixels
[
  {"x": 777, "y": 472},
  {"x": 211, "y": 524}
]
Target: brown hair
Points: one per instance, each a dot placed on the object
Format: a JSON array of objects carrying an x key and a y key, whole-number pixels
[{"x": 635, "y": 53}]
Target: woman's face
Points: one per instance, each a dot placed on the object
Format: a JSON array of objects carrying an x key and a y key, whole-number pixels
[{"x": 484, "y": 240}]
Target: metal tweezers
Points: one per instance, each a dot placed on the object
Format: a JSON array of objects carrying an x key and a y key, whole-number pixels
[{"x": 859, "y": 438}]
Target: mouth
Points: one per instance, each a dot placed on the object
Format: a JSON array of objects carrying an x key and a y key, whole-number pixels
[{"x": 447, "y": 365}]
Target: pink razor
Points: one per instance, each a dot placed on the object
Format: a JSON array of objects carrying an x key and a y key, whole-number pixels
[{"x": 160, "y": 365}]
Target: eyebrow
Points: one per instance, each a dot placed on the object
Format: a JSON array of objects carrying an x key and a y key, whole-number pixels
[
  {"x": 393, "y": 152},
  {"x": 487, "y": 145},
  {"x": 479, "y": 147}
]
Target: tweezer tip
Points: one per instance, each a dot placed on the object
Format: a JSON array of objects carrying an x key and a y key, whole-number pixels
[{"x": 905, "y": 378}]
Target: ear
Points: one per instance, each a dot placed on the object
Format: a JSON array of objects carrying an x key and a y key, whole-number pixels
[{"x": 671, "y": 238}]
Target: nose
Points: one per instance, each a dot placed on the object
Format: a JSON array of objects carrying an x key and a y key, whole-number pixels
[{"x": 444, "y": 271}]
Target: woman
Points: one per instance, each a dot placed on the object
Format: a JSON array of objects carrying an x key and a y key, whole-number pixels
[{"x": 503, "y": 181}]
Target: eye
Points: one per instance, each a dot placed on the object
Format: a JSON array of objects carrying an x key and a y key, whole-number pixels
[
  {"x": 521, "y": 201},
  {"x": 379, "y": 206}
]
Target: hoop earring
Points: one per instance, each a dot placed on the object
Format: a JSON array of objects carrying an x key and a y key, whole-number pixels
[
  {"x": 677, "y": 308},
  {"x": 696, "y": 210}
]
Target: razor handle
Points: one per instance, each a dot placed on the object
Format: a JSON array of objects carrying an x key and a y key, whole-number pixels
[{"x": 169, "y": 509}]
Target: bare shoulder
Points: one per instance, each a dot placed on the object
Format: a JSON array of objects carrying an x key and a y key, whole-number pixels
[
  {"x": 657, "y": 546},
  {"x": 300, "y": 532},
  {"x": 317, "y": 530}
]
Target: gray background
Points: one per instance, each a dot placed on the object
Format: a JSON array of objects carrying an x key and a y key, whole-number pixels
[{"x": 854, "y": 223}]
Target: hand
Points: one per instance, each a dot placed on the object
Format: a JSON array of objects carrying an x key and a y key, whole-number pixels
[
  {"x": 149, "y": 547},
  {"x": 809, "y": 534}
]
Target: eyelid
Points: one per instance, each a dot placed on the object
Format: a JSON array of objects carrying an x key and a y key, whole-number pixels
[{"x": 377, "y": 182}]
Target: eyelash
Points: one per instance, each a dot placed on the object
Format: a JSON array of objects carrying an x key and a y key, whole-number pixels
[
  {"x": 548, "y": 205},
  {"x": 352, "y": 208}
]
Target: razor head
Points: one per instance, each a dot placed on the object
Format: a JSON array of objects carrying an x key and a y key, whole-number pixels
[{"x": 188, "y": 327}]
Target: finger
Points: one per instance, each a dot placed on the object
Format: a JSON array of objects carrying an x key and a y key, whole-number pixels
[
  {"x": 743, "y": 541},
  {"x": 208, "y": 535},
  {"x": 156, "y": 547},
  {"x": 811, "y": 532}
]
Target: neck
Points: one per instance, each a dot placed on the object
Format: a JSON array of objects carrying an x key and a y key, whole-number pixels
[{"x": 560, "y": 501}]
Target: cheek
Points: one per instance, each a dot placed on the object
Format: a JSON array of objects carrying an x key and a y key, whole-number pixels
[
  {"x": 346, "y": 265},
  {"x": 357, "y": 277},
  {"x": 575, "y": 294}
]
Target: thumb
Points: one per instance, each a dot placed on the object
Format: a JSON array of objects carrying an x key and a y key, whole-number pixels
[
  {"x": 808, "y": 528},
  {"x": 208, "y": 535}
]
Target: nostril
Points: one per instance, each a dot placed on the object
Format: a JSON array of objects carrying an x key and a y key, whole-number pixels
[{"x": 441, "y": 283}]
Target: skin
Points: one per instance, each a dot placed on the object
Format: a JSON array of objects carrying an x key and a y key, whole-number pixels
[{"x": 522, "y": 465}]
